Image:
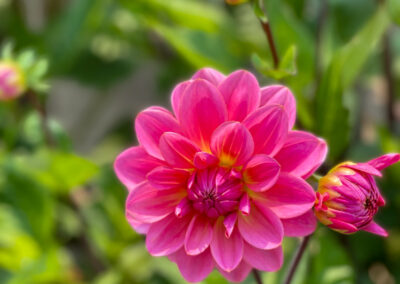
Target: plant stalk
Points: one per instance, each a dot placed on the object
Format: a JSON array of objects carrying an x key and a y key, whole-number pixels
[{"x": 296, "y": 260}]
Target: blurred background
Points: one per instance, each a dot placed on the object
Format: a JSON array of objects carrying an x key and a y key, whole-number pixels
[{"x": 61, "y": 206}]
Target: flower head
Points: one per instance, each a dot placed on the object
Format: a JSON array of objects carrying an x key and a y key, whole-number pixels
[
  {"x": 12, "y": 82},
  {"x": 220, "y": 182},
  {"x": 348, "y": 197}
]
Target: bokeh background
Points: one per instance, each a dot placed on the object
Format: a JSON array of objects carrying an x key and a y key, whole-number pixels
[{"x": 61, "y": 206}]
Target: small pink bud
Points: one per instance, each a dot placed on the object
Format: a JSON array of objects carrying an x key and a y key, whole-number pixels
[
  {"x": 348, "y": 197},
  {"x": 12, "y": 81},
  {"x": 235, "y": 2}
]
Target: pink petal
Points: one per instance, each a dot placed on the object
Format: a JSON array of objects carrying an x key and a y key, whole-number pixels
[
  {"x": 232, "y": 143},
  {"x": 132, "y": 166},
  {"x": 269, "y": 127},
  {"x": 198, "y": 235},
  {"x": 176, "y": 97},
  {"x": 364, "y": 167},
  {"x": 241, "y": 93},
  {"x": 244, "y": 205},
  {"x": 178, "y": 151},
  {"x": 193, "y": 268},
  {"x": 300, "y": 226},
  {"x": 239, "y": 274},
  {"x": 374, "y": 228},
  {"x": 342, "y": 226},
  {"x": 301, "y": 154},
  {"x": 265, "y": 260},
  {"x": 290, "y": 197},
  {"x": 202, "y": 110},
  {"x": 210, "y": 75},
  {"x": 183, "y": 208},
  {"x": 204, "y": 160},
  {"x": 384, "y": 161},
  {"x": 148, "y": 204},
  {"x": 226, "y": 252},
  {"x": 139, "y": 227},
  {"x": 261, "y": 228},
  {"x": 167, "y": 178},
  {"x": 281, "y": 95},
  {"x": 229, "y": 223},
  {"x": 167, "y": 236},
  {"x": 150, "y": 124},
  {"x": 261, "y": 172}
]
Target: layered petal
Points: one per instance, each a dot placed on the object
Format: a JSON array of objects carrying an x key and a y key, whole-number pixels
[
  {"x": 384, "y": 161},
  {"x": 269, "y": 127},
  {"x": 265, "y": 260},
  {"x": 210, "y": 75},
  {"x": 133, "y": 164},
  {"x": 176, "y": 97},
  {"x": 150, "y": 124},
  {"x": 374, "y": 228},
  {"x": 147, "y": 204},
  {"x": 168, "y": 235},
  {"x": 261, "y": 228},
  {"x": 177, "y": 150},
  {"x": 288, "y": 198},
  {"x": 301, "y": 154},
  {"x": 227, "y": 252},
  {"x": 168, "y": 178},
  {"x": 193, "y": 268},
  {"x": 198, "y": 235},
  {"x": 281, "y": 95},
  {"x": 232, "y": 143},
  {"x": 241, "y": 93},
  {"x": 202, "y": 110},
  {"x": 300, "y": 226},
  {"x": 261, "y": 172},
  {"x": 239, "y": 274}
]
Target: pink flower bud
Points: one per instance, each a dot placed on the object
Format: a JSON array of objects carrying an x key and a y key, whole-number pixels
[
  {"x": 12, "y": 81},
  {"x": 235, "y": 2},
  {"x": 348, "y": 197}
]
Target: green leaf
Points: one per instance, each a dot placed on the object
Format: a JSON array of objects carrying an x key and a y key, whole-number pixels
[
  {"x": 332, "y": 116},
  {"x": 287, "y": 66},
  {"x": 64, "y": 171}
]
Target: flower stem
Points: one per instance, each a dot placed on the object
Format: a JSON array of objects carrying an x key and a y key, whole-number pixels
[
  {"x": 34, "y": 99},
  {"x": 296, "y": 260},
  {"x": 262, "y": 17},
  {"x": 257, "y": 276}
]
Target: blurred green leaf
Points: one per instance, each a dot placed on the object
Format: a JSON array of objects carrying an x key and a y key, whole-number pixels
[
  {"x": 332, "y": 116},
  {"x": 286, "y": 68}
]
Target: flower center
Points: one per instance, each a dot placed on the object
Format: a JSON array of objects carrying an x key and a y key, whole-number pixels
[{"x": 215, "y": 191}]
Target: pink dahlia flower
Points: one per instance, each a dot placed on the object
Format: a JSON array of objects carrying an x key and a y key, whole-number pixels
[
  {"x": 220, "y": 181},
  {"x": 348, "y": 198},
  {"x": 12, "y": 82}
]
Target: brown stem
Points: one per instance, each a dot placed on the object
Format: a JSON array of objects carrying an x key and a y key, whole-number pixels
[
  {"x": 34, "y": 99},
  {"x": 267, "y": 30},
  {"x": 257, "y": 276},
  {"x": 296, "y": 260},
  {"x": 388, "y": 70}
]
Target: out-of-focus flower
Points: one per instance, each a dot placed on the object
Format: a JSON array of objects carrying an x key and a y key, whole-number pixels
[
  {"x": 348, "y": 197},
  {"x": 12, "y": 81},
  {"x": 220, "y": 182},
  {"x": 235, "y": 2}
]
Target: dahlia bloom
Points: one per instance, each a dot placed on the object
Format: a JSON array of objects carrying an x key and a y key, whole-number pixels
[
  {"x": 12, "y": 82},
  {"x": 348, "y": 198},
  {"x": 220, "y": 181}
]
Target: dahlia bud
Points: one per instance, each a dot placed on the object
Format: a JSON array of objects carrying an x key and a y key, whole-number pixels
[
  {"x": 12, "y": 82},
  {"x": 348, "y": 197},
  {"x": 235, "y": 2}
]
